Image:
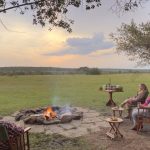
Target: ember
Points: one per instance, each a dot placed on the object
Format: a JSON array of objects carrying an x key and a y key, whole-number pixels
[{"x": 49, "y": 113}]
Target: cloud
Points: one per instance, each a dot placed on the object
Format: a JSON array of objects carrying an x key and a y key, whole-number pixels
[
  {"x": 83, "y": 46},
  {"x": 108, "y": 52}
]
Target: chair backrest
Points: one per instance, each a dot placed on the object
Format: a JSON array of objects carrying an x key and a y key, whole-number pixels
[
  {"x": 18, "y": 142},
  {"x": 3, "y": 133}
]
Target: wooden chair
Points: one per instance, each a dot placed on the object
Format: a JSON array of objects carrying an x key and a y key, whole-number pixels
[
  {"x": 133, "y": 106},
  {"x": 20, "y": 142},
  {"x": 143, "y": 117}
]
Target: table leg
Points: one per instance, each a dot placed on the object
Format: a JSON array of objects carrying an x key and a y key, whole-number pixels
[
  {"x": 116, "y": 126},
  {"x": 112, "y": 127},
  {"x": 120, "y": 113},
  {"x": 114, "y": 130},
  {"x": 114, "y": 113},
  {"x": 110, "y": 101}
]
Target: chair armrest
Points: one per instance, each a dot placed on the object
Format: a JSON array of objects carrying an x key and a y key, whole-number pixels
[
  {"x": 144, "y": 112},
  {"x": 144, "y": 108},
  {"x": 27, "y": 129}
]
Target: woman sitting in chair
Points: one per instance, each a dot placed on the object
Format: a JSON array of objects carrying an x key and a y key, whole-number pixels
[
  {"x": 12, "y": 132},
  {"x": 135, "y": 112},
  {"x": 132, "y": 101}
]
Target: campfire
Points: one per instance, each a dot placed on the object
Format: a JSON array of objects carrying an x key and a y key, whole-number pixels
[{"x": 49, "y": 113}]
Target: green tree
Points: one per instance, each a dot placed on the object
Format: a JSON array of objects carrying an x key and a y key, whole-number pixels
[
  {"x": 93, "y": 71},
  {"x": 53, "y": 12},
  {"x": 134, "y": 41}
]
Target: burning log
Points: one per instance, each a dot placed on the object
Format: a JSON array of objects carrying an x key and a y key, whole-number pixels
[
  {"x": 34, "y": 120},
  {"x": 49, "y": 113}
]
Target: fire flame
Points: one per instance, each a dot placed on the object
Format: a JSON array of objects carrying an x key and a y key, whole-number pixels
[{"x": 49, "y": 113}]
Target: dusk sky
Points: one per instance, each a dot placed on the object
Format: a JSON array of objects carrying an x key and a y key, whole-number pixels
[{"x": 88, "y": 45}]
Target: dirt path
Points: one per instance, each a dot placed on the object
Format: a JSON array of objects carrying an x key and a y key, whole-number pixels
[{"x": 130, "y": 141}]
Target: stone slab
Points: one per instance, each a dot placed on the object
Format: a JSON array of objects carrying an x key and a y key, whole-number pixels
[{"x": 67, "y": 126}]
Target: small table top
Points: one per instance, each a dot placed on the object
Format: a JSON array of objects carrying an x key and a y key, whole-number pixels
[
  {"x": 113, "y": 90},
  {"x": 110, "y": 90},
  {"x": 114, "y": 120},
  {"x": 117, "y": 108}
]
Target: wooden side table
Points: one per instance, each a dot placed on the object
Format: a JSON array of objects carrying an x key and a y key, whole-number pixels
[
  {"x": 117, "y": 109},
  {"x": 110, "y": 101},
  {"x": 114, "y": 130}
]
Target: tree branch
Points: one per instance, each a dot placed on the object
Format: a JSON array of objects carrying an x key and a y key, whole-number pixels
[{"x": 25, "y": 4}]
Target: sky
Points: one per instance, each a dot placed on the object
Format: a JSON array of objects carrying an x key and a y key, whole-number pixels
[{"x": 88, "y": 45}]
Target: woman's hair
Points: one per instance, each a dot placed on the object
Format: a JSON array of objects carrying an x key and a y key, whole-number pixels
[{"x": 144, "y": 87}]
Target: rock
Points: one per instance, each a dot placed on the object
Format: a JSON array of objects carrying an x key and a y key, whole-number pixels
[
  {"x": 40, "y": 120},
  {"x": 77, "y": 115},
  {"x": 19, "y": 116},
  {"x": 49, "y": 122},
  {"x": 30, "y": 120},
  {"x": 66, "y": 119},
  {"x": 34, "y": 120},
  {"x": 39, "y": 110}
]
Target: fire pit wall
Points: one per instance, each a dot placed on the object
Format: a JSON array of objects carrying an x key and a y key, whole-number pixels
[{"x": 37, "y": 116}]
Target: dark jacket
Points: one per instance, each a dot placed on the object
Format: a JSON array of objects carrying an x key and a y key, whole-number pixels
[{"x": 141, "y": 97}]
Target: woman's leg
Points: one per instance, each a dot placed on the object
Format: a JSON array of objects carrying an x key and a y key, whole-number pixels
[
  {"x": 134, "y": 116},
  {"x": 125, "y": 102}
]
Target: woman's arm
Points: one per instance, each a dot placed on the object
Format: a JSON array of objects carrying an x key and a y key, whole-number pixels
[{"x": 143, "y": 106}]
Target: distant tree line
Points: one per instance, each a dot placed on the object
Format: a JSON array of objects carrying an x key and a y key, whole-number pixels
[
  {"x": 60, "y": 71},
  {"x": 47, "y": 71}
]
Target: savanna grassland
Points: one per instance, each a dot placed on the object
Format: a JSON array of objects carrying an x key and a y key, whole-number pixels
[{"x": 29, "y": 91}]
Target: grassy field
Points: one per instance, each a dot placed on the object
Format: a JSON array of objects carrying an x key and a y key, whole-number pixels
[{"x": 18, "y": 92}]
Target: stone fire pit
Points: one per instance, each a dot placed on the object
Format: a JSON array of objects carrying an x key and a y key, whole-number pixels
[
  {"x": 42, "y": 116},
  {"x": 90, "y": 121}
]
